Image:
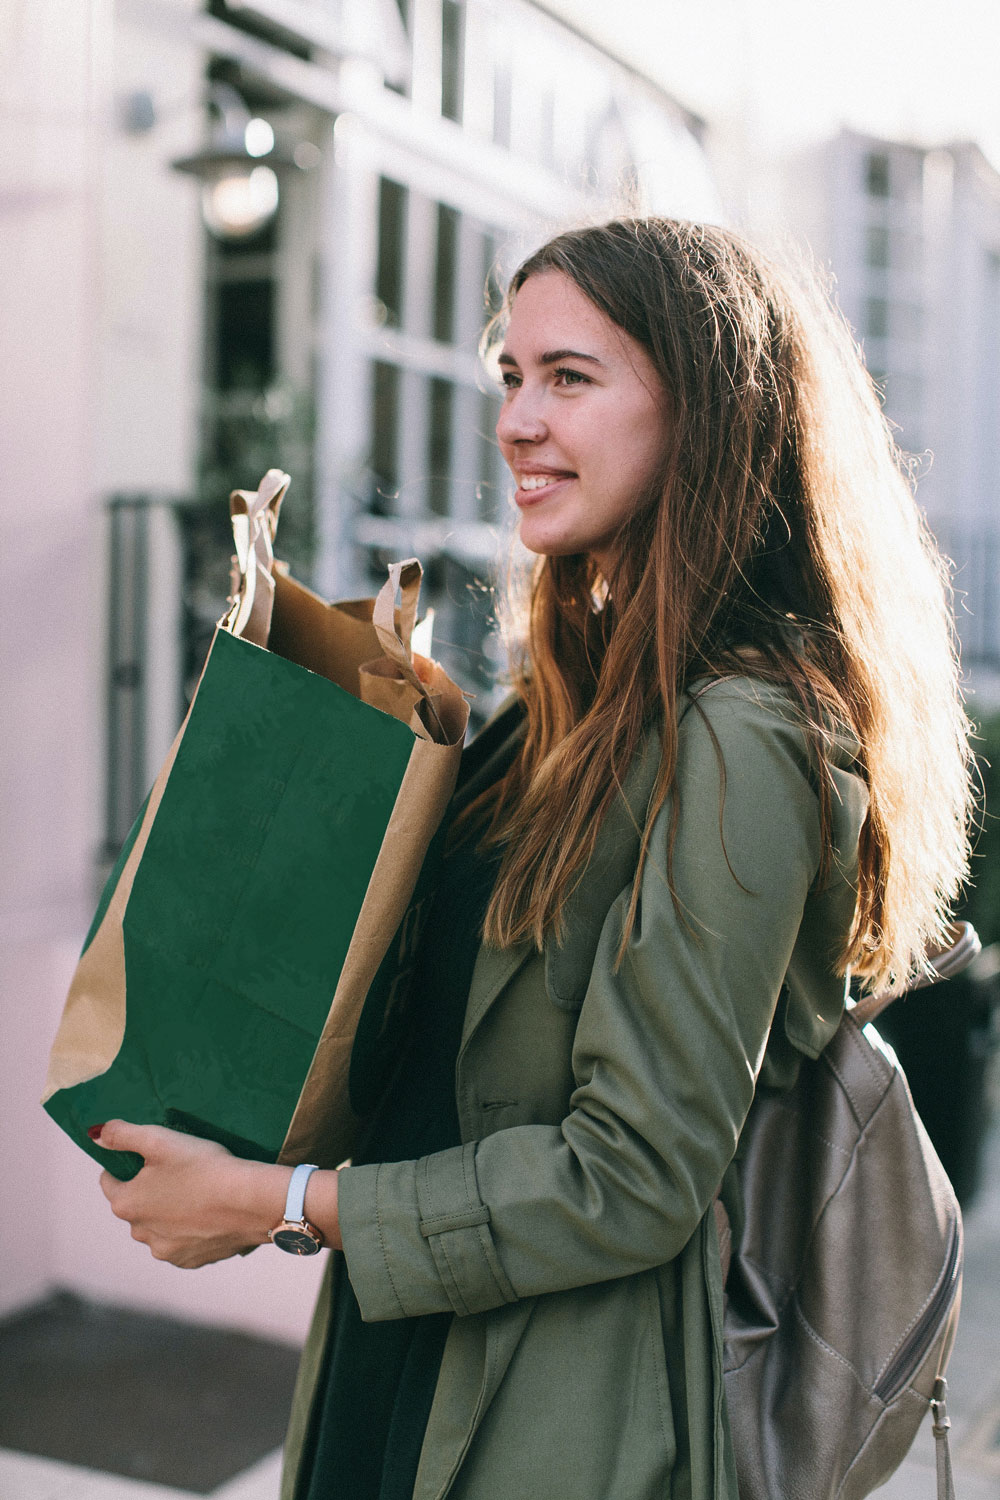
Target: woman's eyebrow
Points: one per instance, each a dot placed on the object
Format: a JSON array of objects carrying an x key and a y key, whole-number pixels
[{"x": 551, "y": 357}]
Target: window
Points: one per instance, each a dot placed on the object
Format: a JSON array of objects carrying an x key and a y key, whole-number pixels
[
  {"x": 452, "y": 62},
  {"x": 445, "y": 262},
  {"x": 385, "y": 437},
  {"x": 898, "y": 320},
  {"x": 490, "y": 275},
  {"x": 877, "y": 181},
  {"x": 876, "y": 318},
  {"x": 877, "y": 246},
  {"x": 128, "y": 593},
  {"x": 241, "y": 310},
  {"x": 435, "y": 472},
  {"x": 439, "y": 446},
  {"x": 491, "y": 489},
  {"x": 245, "y": 353},
  {"x": 402, "y": 83},
  {"x": 391, "y": 234}
]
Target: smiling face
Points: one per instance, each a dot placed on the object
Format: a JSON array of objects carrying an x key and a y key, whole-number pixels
[{"x": 582, "y": 426}]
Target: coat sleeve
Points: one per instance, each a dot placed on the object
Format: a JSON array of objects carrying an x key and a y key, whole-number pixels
[{"x": 665, "y": 1056}]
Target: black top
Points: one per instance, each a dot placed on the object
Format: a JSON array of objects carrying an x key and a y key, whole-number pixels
[{"x": 375, "y": 1391}]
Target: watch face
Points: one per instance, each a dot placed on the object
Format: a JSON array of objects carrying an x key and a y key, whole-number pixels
[{"x": 295, "y": 1241}]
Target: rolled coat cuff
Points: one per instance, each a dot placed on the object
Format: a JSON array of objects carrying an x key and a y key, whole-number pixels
[{"x": 417, "y": 1238}]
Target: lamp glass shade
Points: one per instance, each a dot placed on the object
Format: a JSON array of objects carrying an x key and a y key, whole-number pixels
[{"x": 239, "y": 201}]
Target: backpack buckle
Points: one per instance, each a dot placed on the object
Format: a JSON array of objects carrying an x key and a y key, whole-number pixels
[{"x": 939, "y": 1407}]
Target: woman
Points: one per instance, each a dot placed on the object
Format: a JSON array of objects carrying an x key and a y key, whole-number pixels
[{"x": 735, "y": 770}]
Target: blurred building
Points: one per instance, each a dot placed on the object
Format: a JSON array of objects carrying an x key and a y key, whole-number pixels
[
  {"x": 392, "y": 161},
  {"x": 428, "y": 145},
  {"x": 913, "y": 238}
]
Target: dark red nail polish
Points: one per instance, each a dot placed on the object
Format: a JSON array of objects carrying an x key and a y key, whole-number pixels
[{"x": 95, "y": 1132}]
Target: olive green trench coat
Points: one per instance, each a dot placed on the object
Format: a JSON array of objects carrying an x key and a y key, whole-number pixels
[{"x": 600, "y": 1105}]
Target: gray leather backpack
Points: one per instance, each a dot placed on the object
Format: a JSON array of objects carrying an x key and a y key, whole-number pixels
[{"x": 842, "y": 1295}]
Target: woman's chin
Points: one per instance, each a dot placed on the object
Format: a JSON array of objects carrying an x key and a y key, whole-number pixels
[
  {"x": 547, "y": 541},
  {"x": 543, "y": 543}
]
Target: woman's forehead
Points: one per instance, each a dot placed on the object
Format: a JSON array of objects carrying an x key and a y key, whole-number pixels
[
  {"x": 550, "y": 298},
  {"x": 552, "y": 318}
]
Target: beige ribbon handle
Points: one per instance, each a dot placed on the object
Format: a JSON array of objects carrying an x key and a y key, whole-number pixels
[
  {"x": 395, "y": 639},
  {"x": 255, "y": 522}
]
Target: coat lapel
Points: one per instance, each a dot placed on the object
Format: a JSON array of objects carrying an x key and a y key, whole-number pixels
[
  {"x": 568, "y": 964},
  {"x": 495, "y": 968}
]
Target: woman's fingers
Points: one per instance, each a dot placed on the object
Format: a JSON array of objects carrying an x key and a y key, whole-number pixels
[
  {"x": 187, "y": 1203},
  {"x": 152, "y": 1142},
  {"x": 109, "y": 1186}
]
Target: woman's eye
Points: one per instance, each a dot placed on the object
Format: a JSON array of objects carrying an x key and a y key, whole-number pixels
[
  {"x": 571, "y": 377},
  {"x": 510, "y": 380}
]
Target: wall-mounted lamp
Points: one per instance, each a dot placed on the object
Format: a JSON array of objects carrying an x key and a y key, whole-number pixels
[{"x": 239, "y": 167}]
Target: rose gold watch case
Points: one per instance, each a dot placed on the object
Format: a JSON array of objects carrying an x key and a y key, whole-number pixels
[{"x": 296, "y": 1237}]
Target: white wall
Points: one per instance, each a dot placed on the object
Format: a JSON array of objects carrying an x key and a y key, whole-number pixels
[
  {"x": 100, "y": 322},
  {"x": 54, "y": 86}
]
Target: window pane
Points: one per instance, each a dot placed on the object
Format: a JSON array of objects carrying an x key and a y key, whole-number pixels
[
  {"x": 877, "y": 245},
  {"x": 452, "y": 17},
  {"x": 490, "y": 489},
  {"x": 402, "y": 85},
  {"x": 444, "y": 273},
  {"x": 876, "y": 318},
  {"x": 245, "y": 335},
  {"x": 126, "y": 677},
  {"x": 492, "y": 277},
  {"x": 385, "y": 437},
  {"x": 439, "y": 446},
  {"x": 391, "y": 233},
  {"x": 877, "y": 174}
]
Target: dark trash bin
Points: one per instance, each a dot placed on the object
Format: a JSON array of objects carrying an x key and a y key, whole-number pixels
[{"x": 944, "y": 1037}]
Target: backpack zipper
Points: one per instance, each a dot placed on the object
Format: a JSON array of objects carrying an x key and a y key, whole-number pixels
[{"x": 909, "y": 1357}]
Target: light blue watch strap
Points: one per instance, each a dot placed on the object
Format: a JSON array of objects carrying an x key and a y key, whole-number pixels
[{"x": 295, "y": 1202}]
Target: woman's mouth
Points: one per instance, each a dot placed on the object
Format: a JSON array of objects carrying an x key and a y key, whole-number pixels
[{"x": 531, "y": 488}]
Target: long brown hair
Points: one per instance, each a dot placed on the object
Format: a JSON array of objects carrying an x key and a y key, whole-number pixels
[{"x": 783, "y": 532}]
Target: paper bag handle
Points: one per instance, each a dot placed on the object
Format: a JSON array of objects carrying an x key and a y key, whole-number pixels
[
  {"x": 404, "y": 579},
  {"x": 255, "y": 521}
]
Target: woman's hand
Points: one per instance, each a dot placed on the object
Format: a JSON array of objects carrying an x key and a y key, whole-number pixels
[{"x": 193, "y": 1202}]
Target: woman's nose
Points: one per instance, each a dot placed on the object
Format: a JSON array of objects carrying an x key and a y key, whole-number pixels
[{"x": 520, "y": 419}]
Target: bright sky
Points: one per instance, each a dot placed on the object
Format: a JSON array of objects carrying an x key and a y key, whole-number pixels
[{"x": 797, "y": 69}]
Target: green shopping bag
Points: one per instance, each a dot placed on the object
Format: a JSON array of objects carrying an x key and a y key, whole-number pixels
[{"x": 272, "y": 888}]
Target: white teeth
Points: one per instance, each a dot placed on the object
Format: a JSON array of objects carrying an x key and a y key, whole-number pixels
[{"x": 539, "y": 481}]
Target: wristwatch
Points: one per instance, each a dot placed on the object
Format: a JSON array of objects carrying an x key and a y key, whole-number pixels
[{"x": 295, "y": 1234}]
